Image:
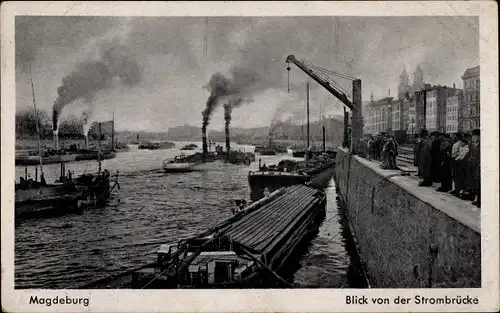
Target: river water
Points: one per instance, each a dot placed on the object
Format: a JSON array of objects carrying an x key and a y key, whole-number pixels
[{"x": 152, "y": 208}]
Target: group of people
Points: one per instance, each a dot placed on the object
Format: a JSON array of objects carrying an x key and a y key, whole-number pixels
[
  {"x": 382, "y": 147},
  {"x": 452, "y": 160}
]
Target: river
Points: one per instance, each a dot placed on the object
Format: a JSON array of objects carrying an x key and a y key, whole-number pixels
[{"x": 152, "y": 208}]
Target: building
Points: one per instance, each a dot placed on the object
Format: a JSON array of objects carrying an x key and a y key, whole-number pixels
[
  {"x": 420, "y": 108},
  {"x": 396, "y": 109},
  {"x": 453, "y": 105},
  {"x": 418, "y": 80},
  {"x": 404, "y": 87},
  {"x": 378, "y": 116},
  {"x": 435, "y": 107},
  {"x": 412, "y": 117},
  {"x": 471, "y": 100},
  {"x": 409, "y": 114}
]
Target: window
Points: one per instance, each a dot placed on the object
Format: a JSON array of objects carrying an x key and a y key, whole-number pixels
[{"x": 477, "y": 84}]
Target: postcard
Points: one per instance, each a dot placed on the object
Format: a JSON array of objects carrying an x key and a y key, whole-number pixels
[{"x": 250, "y": 156}]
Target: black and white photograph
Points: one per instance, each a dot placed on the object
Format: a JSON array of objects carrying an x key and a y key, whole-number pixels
[{"x": 251, "y": 152}]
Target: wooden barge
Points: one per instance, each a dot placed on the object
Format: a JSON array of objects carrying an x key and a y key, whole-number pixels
[{"x": 241, "y": 252}]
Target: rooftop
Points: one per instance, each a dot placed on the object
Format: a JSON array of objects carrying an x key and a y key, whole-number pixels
[{"x": 471, "y": 72}]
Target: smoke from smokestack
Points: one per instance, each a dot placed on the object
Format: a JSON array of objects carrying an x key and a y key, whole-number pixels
[
  {"x": 115, "y": 63},
  {"x": 234, "y": 90}
]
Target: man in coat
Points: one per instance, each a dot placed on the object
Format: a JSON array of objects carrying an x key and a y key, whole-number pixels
[
  {"x": 436, "y": 157},
  {"x": 425, "y": 160},
  {"x": 474, "y": 173},
  {"x": 416, "y": 150},
  {"x": 445, "y": 164},
  {"x": 461, "y": 166}
]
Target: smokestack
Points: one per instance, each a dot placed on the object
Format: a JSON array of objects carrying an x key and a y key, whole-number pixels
[
  {"x": 453, "y": 85},
  {"x": 204, "y": 141},
  {"x": 86, "y": 141},
  {"x": 228, "y": 144},
  {"x": 56, "y": 140}
]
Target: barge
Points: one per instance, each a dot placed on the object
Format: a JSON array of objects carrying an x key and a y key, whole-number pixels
[
  {"x": 59, "y": 156},
  {"x": 318, "y": 171},
  {"x": 244, "y": 251},
  {"x": 156, "y": 145},
  {"x": 35, "y": 198}
]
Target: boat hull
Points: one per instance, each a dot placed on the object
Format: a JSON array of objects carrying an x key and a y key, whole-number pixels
[
  {"x": 179, "y": 167},
  {"x": 74, "y": 157}
]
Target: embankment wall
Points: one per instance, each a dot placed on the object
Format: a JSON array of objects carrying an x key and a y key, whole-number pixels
[{"x": 408, "y": 236}]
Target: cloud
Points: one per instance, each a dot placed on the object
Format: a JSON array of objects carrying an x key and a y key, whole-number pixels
[{"x": 176, "y": 66}]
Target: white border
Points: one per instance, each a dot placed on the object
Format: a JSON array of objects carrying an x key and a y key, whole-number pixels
[{"x": 316, "y": 300}]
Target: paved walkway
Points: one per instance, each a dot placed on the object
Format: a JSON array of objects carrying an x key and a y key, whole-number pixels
[{"x": 457, "y": 208}]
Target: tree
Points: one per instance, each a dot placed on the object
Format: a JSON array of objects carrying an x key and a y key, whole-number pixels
[{"x": 26, "y": 121}]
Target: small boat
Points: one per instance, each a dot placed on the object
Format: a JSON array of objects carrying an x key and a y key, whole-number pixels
[
  {"x": 250, "y": 249},
  {"x": 298, "y": 153},
  {"x": 268, "y": 151},
  {"x": 191, "y": 146},
  {"x": 157, "y": 145},
  {"x": 179, "y": 165}
]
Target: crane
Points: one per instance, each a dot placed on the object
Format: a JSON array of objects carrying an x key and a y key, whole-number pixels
[
  {"x": 322, "y": 79},
  {"x": 321, "y": 76}
]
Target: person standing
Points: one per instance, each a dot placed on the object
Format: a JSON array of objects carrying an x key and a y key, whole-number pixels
[
  {"x": 475, "y": 168},
  {"x": 426, "y": 158},
  {"x": 436, "y": 157},
  {"x": 416, "y": 154},
  {"x": 455, "y": 151},
  {"x": 461, "y": 166},
  {"x": 445, "y": 165}
]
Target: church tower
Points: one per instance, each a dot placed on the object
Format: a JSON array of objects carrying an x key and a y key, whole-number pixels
[
  {"x": 418, "y": 79},
  {"x": 404, "y": 84}
]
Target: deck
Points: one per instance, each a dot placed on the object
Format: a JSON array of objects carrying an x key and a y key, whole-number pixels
[{"x": 263, "y": 229}]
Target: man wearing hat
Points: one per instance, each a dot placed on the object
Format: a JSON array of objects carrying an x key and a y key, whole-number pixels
[
  {"x": 461, "y": 166},
  {"x": 425, "y": 158},
  {"x": 474, "y": 179}
]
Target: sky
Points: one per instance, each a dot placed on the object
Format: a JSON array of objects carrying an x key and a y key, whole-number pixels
[{"x": 153, "y": 72}]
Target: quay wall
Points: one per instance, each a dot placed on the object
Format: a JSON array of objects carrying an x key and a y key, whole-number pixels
[{"x": 408, "y": 236}]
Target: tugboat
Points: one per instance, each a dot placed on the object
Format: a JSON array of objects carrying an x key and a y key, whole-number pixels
[{"x": 247, "y": 250}]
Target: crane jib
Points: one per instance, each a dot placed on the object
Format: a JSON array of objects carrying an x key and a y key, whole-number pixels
[{"x": 309, "y": 71}]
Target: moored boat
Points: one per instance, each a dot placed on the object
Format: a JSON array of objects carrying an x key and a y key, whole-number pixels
[
  {"x": 241, "y": 252},
  {"x": 67, "y": 194},
  {"x": 318, "y": 171}
]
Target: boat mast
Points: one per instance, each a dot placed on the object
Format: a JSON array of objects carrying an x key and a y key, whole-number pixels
[
  {"x": 307, "y": 96},
  {"x": 113, "y": 133},
  {"x": 37, "y": 126},
  {"x": 99, "y": 148}
]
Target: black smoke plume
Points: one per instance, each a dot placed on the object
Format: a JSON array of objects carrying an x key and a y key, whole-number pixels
[
  {"x": 234, "y": 90},
  {"x": 92, "y": 76}
]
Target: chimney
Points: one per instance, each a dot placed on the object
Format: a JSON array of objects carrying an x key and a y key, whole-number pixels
[
  {"x": 86, "y": 141},
  {"x": 389, "y": 92},
  {"x": 56, "y": 140},
  {"x": 204, "y": 141},
  {"x": 453, "y": 85},
  {"x": 228, "y": 145}
]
